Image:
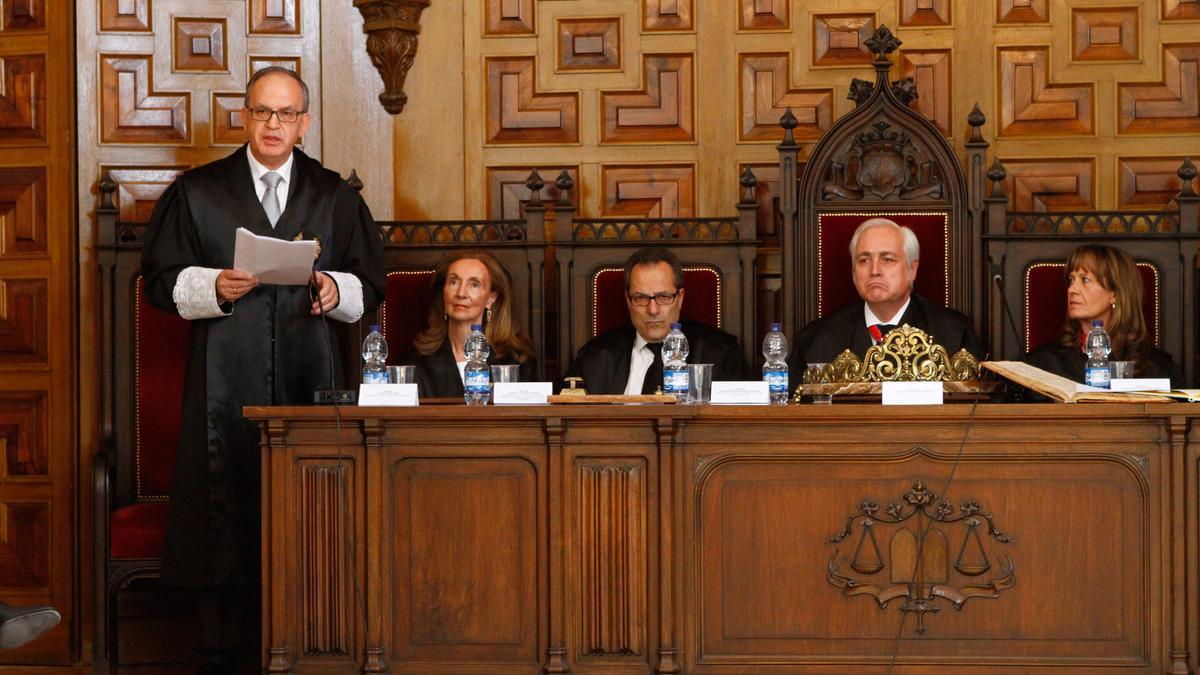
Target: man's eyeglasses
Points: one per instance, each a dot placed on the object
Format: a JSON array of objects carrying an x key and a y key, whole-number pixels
[
  {"x": 287, "y": 115},
  {"x": 664, "y": 298}
]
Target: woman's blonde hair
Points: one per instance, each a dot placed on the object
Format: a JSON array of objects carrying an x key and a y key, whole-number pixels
[
  {"x": 502, "y": 335},
  {"x": 1114, "y": 270}
]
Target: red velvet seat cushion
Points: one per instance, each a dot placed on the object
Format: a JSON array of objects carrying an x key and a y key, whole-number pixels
[
  {"x": 701, "y": 300},
  {"x": 161, "y": 345},
  {"x": 1046, "y": 302},
  {"x": 405, "y": 304},
  {"x": 834, "y": 232},
  {"x": 137, "y": 531}
]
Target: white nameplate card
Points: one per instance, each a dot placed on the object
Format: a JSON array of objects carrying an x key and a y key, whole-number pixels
[
  {"x": 750, "y": 392},
  {"x": 521, "y": 393},
  {"x": 387, "y": 394},
  {"x": 912, "y": 393},
  {"x": 1140, "y": 384}
]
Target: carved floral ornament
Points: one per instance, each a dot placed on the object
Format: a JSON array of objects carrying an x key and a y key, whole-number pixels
[
  {"x": 392, "y": 27},
  {"x": 921, "y": 532},
  {"x": 906, "y": 354}
]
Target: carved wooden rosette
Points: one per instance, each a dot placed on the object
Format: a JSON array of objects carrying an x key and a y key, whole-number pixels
[{"x": 392, "y": 27}]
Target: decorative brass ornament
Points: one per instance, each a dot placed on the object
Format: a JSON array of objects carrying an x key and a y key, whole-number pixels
[
  {"x": 918, "y": 559},
  {"x": 392, "y": 27}
]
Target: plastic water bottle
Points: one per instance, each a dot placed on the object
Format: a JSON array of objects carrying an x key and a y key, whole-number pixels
[
  {"x": 374, "y": 352},
  {"x": 674, "y": 358},
  {"x": 1096, "y": 372},
  {"x": 775, "y": 369},
  {"x": 477, "y": 376}
]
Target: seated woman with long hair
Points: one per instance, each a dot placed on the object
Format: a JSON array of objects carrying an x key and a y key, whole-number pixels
[
  {"x": 469, "y": 287},
  {"x": 1103, "y": 283}
]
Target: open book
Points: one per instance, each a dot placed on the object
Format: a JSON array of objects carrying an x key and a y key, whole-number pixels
[{"x": 1068, "y": 391}]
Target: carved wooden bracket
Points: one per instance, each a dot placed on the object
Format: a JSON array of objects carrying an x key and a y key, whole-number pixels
[{"x": 392, "y": 27}]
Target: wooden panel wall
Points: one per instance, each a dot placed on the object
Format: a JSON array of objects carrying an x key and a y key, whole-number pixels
[
  {"x": 1091, "y": 104},
  {"x": 39, "y": 538}
]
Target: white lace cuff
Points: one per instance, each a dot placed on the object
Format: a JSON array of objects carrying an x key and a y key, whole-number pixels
[
  {"x": 350, "y": 297},
  {"x": 195, "y": 293}
]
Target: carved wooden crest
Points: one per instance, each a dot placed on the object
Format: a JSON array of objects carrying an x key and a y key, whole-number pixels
[
  {"x": 392, "y": 27},
  {"x": 920, "y": 533},
  {"x": 882, "y": 163}
]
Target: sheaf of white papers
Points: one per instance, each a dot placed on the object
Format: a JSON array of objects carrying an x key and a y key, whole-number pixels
[{"x": 274, "y": 261}]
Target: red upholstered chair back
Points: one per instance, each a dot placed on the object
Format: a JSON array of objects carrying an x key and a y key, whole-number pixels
[
  {"x": 402, "y": 313},
  {"x": 833, "y": 241},
  {"x": 1046, "y": 302},
  {"x": 160, "y": 359},
  {"x": 701, "y": 300}
]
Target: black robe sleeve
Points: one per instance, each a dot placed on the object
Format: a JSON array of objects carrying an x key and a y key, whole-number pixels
[
  {"x": 171, "y": 245},
  {"x": 360, "y": 240}
]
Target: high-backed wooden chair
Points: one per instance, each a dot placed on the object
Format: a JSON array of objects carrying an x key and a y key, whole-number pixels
[
  {"x": 881, "y": 159},
  {"x": 1045, "y": 300},
  {"x": 717, "y": 255},
  {"x": 144, "y": 356}
]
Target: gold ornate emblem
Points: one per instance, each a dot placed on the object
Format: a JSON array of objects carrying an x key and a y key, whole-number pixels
[{"x": 918, "y": 565}]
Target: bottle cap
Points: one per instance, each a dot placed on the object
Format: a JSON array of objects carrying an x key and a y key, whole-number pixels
[
  {"x": 374, "y": 328},
  {"x": 1097, "y": 323},
  {"x": 776, "y": 327},
  {"x": 676, "y": 326},
  {"x": 477, "y": 326}
]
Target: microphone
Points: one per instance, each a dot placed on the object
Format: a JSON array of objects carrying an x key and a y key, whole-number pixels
[
  {"x": 324, "y": 396},
  {"x": 998, "y": 279}
]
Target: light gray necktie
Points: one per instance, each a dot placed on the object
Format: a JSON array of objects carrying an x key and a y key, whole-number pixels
[{"x": 270, "y": 200}]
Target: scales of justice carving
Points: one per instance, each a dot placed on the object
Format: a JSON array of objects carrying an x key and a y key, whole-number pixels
[{"x": 922, "y": 530}]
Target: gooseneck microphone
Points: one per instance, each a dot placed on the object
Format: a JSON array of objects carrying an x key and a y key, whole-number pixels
[{"x": 1006, "y": 310}]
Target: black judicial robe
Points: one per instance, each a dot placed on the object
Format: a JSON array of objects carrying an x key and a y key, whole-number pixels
[
  {"x": 1069, "y": 362},
  {"x": 269, "y": 351},
  {"x": 603, "y": 362},
  {"x": 824, "y": 339},
  {"x": 437, "y": 373}
]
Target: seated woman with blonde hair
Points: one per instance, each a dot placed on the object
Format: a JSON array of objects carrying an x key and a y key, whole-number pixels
[
  {"x": 469, "y": 287},
  {"x": 1103, "y": 283}
]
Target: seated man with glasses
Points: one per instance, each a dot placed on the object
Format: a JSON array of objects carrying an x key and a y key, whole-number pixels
[
  {"x": 249, "y": 344},
  {"x": 628, "y": 360}
]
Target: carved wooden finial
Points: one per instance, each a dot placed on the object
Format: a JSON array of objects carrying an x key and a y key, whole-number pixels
[
  {"x": 108, "y": 188},
  {"x": 788, "y": 121},
  {"x": 354, "y": 181},
  {"x": 749, "y": 182},
  {"x": 1187, "y": 174},
  {"x": 392, "y": 27},
  {"x": 564, "y": 183},
  {"x": 997, "y": 174},
  {"x": 535, "y": 185},
  {"x": 882, "y": 43},
  {"x": 976, "y": 120},
  {"x": 860, "y": 91}
]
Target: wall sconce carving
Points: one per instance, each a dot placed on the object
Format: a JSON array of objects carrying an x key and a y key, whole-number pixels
[{"x": 392, "y": 27}]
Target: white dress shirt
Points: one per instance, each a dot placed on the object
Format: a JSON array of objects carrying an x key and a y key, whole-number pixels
[
  {"x": 195, "y": 291},
  {"x": 871, "y": 319},
  {"x": 640, "y": 360}
]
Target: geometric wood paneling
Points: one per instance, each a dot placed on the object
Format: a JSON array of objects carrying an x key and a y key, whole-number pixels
[
  {"x": 1031, "y": 105},
  {"x": 517, "y": 113},
  {"x": 274, "y": 16},
  {"x": 257, "y": 63},
  {"x": 22, "y": 98},
  {"x": 1022, "y": 11},
  {"x": 764, "y": 15},
  {"x": 22, "y": 15},
  {"x": 509, "y": 17},
  {"x": 200, "y": 45},
  {"x": 23, "y": 315},
  {"x": 649, "y": 191},
  {"x": 766, "y": 92},
  {"x": 925, "y": 12},
  {"x": 838, "y": 39},
  {"x": 612, "y": 557},
  {"x": 1050, "y": 184},
  {"x": 667, "y": 15},
  {"x": 1172, "y": 105},
  {"x": 662, "y": 112},
  {"x": 24, "y": 545},
  {"x": 507, "y": 194},
  {"x": 589, "y": 44},
  {"x": 227, "y": 126},
  {"x": 1109, "y": 34},
  {"x": 22, "y": 211},
  {"x": 930, "y": 70},
  {"x": 23, "y": 427},
  {"x": 125, "y": 15},
  {"x": 131, "y": 111},
  {"x": 1148, "y": 182},
  {"x": 139, "y": 187},
  {"x": 1176, "y": 10}
]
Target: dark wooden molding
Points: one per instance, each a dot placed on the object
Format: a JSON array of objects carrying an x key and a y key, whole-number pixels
[{"x": 392, "y": 27}]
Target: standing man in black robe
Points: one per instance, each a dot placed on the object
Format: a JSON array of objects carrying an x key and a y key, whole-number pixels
[
  {"x": 250, "y": 343},
  {"x": 884, "y": 256},
  {"x": 628, "y": 360}
]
